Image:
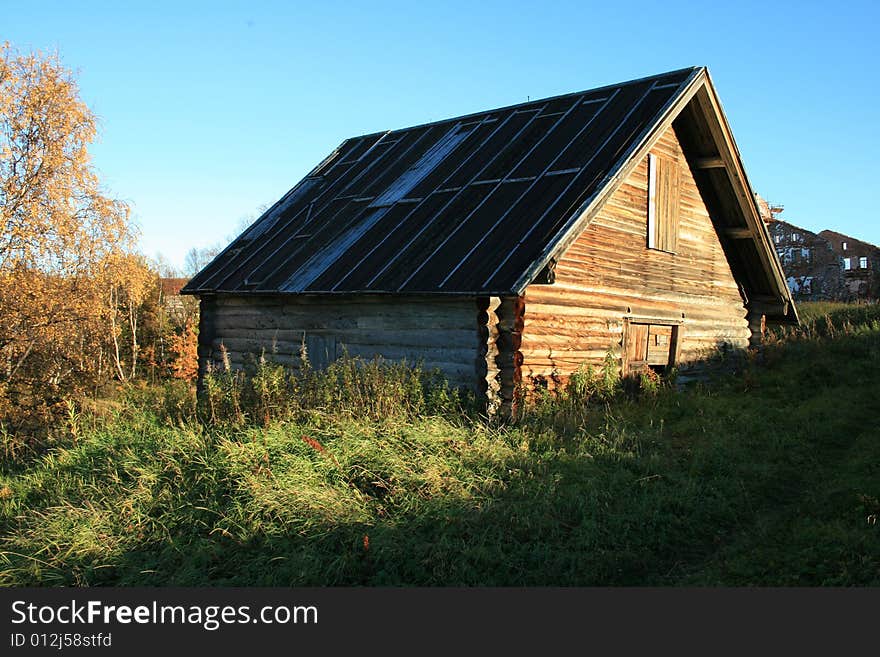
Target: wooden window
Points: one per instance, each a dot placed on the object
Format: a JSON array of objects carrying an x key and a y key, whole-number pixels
[
  {"x": 847, "y": 264},
  {"x": 650, "y": 345},
  {"x": 320, "y": 350},
  {"x": 863, "y": 262},
  {"x": 663, "y": 202}
]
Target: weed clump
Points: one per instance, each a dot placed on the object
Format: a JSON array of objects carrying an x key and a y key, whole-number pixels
[
  {"x": 375, "y": 389},
  {"x": 569, "y": 406}
]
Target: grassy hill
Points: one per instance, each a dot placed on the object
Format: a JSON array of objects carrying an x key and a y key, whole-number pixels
[{"x": 770, "y": 476}]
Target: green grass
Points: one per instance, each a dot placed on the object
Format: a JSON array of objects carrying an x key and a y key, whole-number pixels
[
  {"x": 812, "y": 310},
  {"x": 768, "y": 477}
]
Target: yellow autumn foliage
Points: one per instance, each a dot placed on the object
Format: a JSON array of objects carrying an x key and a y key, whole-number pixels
[{"x": 70, "y": 281}]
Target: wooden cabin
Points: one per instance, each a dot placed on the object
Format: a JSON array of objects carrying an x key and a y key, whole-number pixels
[{"x": 511, "y": 245}]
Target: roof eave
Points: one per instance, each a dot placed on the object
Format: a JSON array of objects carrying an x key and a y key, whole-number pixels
[
  {"x": 344, "y": 293},
  {"x": 784, "y": 308},
  {"x": 748, "y": 203}
]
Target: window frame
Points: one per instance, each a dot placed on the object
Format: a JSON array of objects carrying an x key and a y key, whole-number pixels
[{"x": 673, "y": 348}]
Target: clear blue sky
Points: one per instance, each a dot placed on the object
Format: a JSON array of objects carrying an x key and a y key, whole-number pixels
[{"x": 211, "y": 110}]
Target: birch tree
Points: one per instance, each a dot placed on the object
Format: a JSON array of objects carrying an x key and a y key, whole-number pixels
[{"x": 59, "y": 230}]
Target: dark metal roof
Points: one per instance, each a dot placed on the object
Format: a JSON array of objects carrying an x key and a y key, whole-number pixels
[{"x": 464, "y": 205}]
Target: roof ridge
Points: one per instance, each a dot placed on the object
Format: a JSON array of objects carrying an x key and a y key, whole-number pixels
[{"x": 514, "y": 106}]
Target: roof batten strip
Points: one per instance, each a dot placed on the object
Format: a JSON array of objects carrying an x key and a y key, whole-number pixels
[
  {"x": 452, "y": 200},
  {"x": 568, "y": 186},
  {"x": 323, "y": 168},
  {"x": 504, "y": 181},
  {"x": 280, "y": 227},
  {"x": 296, "y": 251},
  {"x": 425, "y": 165},
  {"x": 229, "y": 263},
  {"x": 320, "y": 260},
  {"x": 560, "y": 172},
  {"x": 688, "y": 91},
  {"x": 549, "y": 167},
  {"x": 480, "y": 204},
  {"x": 447, "y": 179},
  {"x": 295, "y": 236}
]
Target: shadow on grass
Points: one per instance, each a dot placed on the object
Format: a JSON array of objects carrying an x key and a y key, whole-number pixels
[{"x": 766, "y": 478}]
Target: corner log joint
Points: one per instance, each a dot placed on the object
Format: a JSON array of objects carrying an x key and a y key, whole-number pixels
[{"x": 509, "y": 358}]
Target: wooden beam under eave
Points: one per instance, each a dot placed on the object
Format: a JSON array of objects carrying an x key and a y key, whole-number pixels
[
  {"x": 709, "y": 162},
  {"x": 739, "y": 233},
  {"x": 769, "y": 306}
]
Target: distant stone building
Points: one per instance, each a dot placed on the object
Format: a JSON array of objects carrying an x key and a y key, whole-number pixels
[
  {"x": 812, "y": 269},
  {"x": 859, "y": 263},
  {"x": 825, "y": 266}
]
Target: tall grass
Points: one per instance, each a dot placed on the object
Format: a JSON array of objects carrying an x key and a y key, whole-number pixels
[
  {"x": 354, "y": 387},
  {"x": 372, "y": 475}
]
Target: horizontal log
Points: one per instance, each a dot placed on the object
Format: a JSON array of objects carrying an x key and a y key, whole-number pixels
[
  {"x": 581, "y": 353},
  {"x": 389, "y": 352},
  {"x": 427, "y": 338},
  {"x": 429, "y": 355},
  {"x": 581, "y": 295},
  {"x": 405, "y": 319},
  {"x": 290, "y": 340},
  {"x": 538, "y": 332},
  {"x": 342, "y": 300},
  {"x": 569, "y": 311},
  {"x": 615, "y": 315}
]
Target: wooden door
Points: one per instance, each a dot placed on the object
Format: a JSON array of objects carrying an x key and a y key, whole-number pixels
[{"x": 636, "y": 347}]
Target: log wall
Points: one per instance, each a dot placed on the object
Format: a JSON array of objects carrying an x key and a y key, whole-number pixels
[
  {"x": 440, "y": 332},
  {"x": 608, "y": 276}
]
